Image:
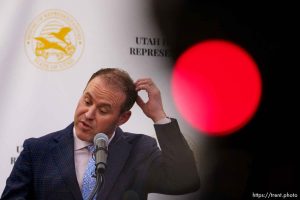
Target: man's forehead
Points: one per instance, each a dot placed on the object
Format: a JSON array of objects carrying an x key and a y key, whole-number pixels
[
  {"x": 99, "y": 90},
  {"x": 105, "y": 83}
]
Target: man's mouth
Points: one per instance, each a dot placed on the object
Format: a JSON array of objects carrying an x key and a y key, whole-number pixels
[{"x": 85, "y": 125}]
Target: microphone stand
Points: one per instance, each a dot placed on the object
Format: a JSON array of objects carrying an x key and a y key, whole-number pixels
[{"x": 99, "y": 181}]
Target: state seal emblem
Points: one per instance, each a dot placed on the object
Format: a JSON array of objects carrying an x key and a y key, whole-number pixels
[{"x": 54, "y": 41}]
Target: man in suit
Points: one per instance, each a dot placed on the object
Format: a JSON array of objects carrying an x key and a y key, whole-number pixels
[{"x": 53, "y": 166}]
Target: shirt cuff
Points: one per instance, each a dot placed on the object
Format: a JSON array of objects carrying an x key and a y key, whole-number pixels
[{"x": 165, "y": 120}]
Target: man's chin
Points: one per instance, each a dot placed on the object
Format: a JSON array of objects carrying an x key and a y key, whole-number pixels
[{"x": 85, "y": 137}]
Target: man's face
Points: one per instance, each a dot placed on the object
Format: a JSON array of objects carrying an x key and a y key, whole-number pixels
[{"x": 98, "y": 110}]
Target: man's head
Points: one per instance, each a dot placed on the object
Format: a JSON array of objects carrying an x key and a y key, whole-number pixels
[{"x": 105, "y": 104}]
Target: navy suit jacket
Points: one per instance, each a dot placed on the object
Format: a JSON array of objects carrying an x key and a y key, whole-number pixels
[{"x": 136, "y": 166}]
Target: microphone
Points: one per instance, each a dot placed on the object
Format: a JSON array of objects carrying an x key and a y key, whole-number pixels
[{"x": 101, "y": 143}]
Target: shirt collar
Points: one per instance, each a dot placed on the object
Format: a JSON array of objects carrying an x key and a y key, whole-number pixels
[{"x": 80, "y": 144}]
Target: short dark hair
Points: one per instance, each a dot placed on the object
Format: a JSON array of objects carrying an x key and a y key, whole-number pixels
[{"x": 121, "y": 79}]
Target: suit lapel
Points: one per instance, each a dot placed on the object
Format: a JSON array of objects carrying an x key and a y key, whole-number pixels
[
  {"x": 63, "y": 154},
  {"x": 118, "y": 152}
]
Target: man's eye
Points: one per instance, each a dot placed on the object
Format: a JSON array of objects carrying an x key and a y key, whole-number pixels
[
  {"x": 102, "y": 111},
  {"x": 87, "y": 101}
]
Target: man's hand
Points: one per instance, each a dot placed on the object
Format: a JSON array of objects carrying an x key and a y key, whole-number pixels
[{"x": 153, "y": 107}]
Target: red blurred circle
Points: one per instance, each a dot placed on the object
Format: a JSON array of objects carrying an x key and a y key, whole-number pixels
[{"x": 216, "y": 86}]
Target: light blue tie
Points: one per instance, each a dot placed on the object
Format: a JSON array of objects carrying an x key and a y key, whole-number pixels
[{"x": 89, "y": 181}]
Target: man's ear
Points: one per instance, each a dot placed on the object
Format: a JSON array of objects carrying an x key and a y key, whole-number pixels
[{"x": 124, "y": 117}]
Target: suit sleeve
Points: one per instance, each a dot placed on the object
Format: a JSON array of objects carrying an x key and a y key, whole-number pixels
[
  {"x": 173, "y": 169},
  {"x": 19, "y": 183}
]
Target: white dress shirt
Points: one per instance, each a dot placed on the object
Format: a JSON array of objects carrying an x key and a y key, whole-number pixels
[{"x": 82, "y": 156}]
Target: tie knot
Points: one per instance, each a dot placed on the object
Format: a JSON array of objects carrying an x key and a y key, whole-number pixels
[{"x": 91, "y": 148}]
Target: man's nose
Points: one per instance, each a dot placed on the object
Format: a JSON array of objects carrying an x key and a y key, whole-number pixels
[{"x": 90, "y": 114}]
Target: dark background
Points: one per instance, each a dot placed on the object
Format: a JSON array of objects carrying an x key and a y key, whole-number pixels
[{"x": 262, "y": 156}]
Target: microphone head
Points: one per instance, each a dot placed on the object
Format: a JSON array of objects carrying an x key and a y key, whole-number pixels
[
  {"x": 101, "y": 144},
  {"x": 100, "y": 137}
]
